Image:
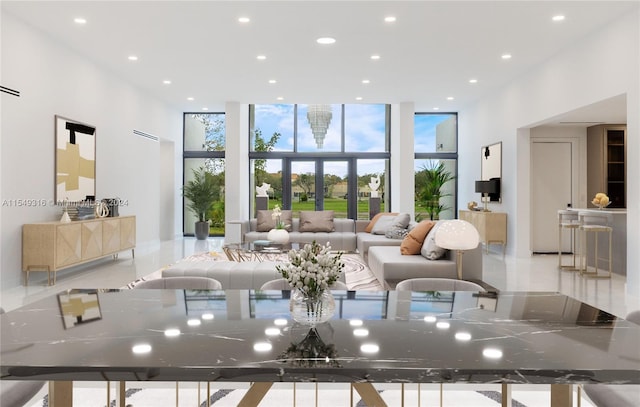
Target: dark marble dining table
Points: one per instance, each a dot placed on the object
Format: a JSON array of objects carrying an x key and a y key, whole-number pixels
[{"x": 373, "y": 337}]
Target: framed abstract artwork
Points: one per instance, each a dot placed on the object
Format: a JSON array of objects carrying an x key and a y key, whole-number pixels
[{"x": 75, "y": 160}]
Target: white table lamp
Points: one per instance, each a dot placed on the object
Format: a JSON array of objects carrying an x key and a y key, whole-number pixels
[{"x": 458, "y": 235}]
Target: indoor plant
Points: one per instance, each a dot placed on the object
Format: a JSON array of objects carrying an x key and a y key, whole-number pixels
[
  {"x": 310, "y": 271},
  {"x": 430, "y": 192},
  {"x": 201, "y": 192}
]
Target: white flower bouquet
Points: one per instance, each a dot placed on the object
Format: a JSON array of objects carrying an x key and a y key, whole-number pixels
[
  {"x": 275, "y": 215},
  {"x": 312, "y": 269}
]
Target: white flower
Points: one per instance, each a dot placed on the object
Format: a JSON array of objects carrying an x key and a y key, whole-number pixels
[{"x": 312, "y": 269}]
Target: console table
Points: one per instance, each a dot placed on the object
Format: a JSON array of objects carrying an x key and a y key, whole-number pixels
[
  {"x": 248, "y": 336},
  {"x": 492, "y": 226},
  {"x": 52, "y": 246}
]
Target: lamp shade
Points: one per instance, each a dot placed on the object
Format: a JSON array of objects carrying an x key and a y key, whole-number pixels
[
  {"x": 457, "y": 234},
  {"x": 486, "y": 187}
]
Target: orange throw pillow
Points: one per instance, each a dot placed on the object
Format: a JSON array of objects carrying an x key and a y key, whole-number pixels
[
  {"x": 412, "y": 243},
  {"x": 375, "y": 218}
]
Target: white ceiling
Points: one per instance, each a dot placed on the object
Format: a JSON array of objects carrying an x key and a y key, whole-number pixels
[{"x": 427, "y": 55}]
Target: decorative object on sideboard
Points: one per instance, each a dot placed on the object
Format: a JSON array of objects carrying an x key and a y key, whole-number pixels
[
  {"x": 472, "y": 205},
  {"x": 310, "y": 272},
  {"x": 601, "y": 200},
  {"x": 101, "y": 210},
  {"x": 458, "y": 235},
  {"x": 201, "y": 191},
  {"x": 112, "y": 205},
  {"x": 75, "y": 159},
  {"x": 486, "y": 188}
]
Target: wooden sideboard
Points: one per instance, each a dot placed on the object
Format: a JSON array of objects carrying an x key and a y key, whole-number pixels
[
  {"x": 492, "y": 226},
  {"x": 51, "y": 246}
]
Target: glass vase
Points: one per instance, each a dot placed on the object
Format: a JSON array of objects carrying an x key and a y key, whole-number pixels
[{"x": 312, "y": 310}]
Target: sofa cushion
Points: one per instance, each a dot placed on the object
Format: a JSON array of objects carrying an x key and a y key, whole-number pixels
[
  {"x": 395, "y": 232},
  {"x": 430, "y": 249},
  {"x": 382, "y": 225},
  {"x": 266, "y": 221},
  {"x": 316, "y": 221},
  {"x": 413, "y": 242},
  {"x": 375, "y": 219}
]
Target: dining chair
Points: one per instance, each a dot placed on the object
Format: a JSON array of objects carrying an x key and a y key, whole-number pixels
[
  {"x": 186, "y": 283},
  {"x": 283, "y": 284},
  {"x": 610, "y": 395},
  {"x": 14, "y": 393},
  {"x": 437, "y": 284}
]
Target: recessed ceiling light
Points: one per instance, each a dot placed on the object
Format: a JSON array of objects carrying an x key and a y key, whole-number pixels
[
  {"x": 359, "y": 98},
  {"x": 133, "y": 58},
  {"x": 325, "y": 40},
  {"x": 436, "y": 108},
  {"x": 244, "y": 19},
  {"x": 80, "y": 20},
  {"x": 272, "y": 81},
  {"x": 390, "y": 19},
  {"x": 166, "y": 82},
  {"x": 473, "y": 81},
  {"x": 450, "y": 98},
  {"x": 366, "y": 81},
  {"x": 205, "y": 108},
  {"x": 559, "y": 17},
  {"x": 375, "y": 57},
  {"x": 506, "y": 56},
  {"x": 189, "y": 98},
  {"x": 261, "y": 57},
  {"x": 279, "y": 98}
]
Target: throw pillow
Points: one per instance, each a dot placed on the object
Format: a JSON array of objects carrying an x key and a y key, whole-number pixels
[
  {"x": 395, "y": 232},
  {"x": 412, "y": 243},
  {"x": 316, "y": 221},
  {"x": 265, "y": 221},
  {"x": 401, "y": 220},
  {"x": 375, "y": 218},
  {"x": 430, "y": 249},
  {"x": 381, "y": 226}
]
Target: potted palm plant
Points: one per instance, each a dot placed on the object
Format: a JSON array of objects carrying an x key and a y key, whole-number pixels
[
  {"x": 436, "y": 175},
  {"x": 201, "y": 192}
]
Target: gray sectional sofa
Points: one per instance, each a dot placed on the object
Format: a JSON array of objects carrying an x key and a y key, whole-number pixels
[{"x": 382, "y": 254}]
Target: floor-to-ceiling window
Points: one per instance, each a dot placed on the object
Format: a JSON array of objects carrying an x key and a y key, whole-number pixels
[
  {"x": 436, "y": 165},
  {"x": 320, "y": 157},
  {"x": 204, "y": 145}
]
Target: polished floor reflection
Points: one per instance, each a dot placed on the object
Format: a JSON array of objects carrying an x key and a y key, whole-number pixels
[{"x": 536, "y": 273}]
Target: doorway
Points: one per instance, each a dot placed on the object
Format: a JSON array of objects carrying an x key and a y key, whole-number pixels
[{"x": 552, "y": 188}]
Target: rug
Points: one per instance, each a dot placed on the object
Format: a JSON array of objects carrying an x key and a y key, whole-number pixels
[{"x": 357, "y": 273}]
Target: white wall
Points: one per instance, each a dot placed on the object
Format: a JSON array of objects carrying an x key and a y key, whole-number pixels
[
  {"x": 602, "y": 65},
  {"x": 54, "y": 80}
]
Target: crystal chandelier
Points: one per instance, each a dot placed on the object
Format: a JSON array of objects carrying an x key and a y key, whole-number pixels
[{"x": 319, "y": 117}]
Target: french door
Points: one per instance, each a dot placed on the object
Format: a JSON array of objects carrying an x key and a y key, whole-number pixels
[{"x": 320, "y": 184}]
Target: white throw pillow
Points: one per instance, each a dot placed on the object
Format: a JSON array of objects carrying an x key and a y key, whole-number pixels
[{"x": 430, "y": 249}]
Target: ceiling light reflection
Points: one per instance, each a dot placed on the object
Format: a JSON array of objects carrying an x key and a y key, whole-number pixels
[
  {"x": 355, "y": 322},
  {"x": 280, "y": 322},
  {"x": 463, "y": 336},
  {"x": 369, "y": 348},
  {"x": 171, "y": 332},
  {"x": 430, "y": 318},
  {"x": 142, "y": 348},
  {"x": 272, "y": 331},
  {"x": 244, "y": 19},
  {"x": 262, "y": 346},
  {"x": 208, "y": 316},
  {"x": 443, "y": 325},
  {"x": 492, "y": 353},
  {"x": 194, "y": 322},
  {"x": 361, "y": 332}
]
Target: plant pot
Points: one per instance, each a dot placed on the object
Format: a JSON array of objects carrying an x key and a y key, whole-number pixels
[
  {"x": 202, "y": 230},
  {"x": 280, "y": 236}
]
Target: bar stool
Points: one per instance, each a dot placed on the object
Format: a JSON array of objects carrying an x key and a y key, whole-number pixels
[
  {"x": 568, "y": 220},
  {"x": 594, "y": 223}
]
